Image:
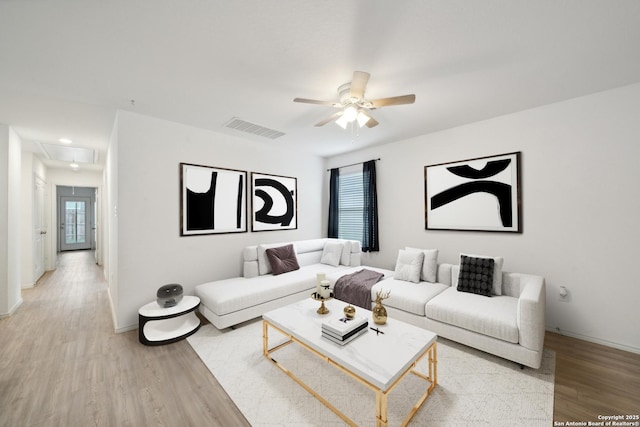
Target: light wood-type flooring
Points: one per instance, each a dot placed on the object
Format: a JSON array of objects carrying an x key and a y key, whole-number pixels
[{"x": 61, "y": 364}]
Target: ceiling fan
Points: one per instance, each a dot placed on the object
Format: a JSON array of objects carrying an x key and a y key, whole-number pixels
[{"x": 354, "y": 107}]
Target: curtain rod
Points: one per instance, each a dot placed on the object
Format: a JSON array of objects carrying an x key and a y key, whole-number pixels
[{"x": 353, "y": 164}]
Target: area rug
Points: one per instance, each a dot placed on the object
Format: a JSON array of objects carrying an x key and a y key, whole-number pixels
[{"x": 474, "y": 388}]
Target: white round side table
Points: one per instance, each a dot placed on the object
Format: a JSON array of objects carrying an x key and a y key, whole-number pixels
[{"x": 159, "y": 325}]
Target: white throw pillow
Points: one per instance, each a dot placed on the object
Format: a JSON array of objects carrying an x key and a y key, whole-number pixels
[
  {"x": 332, "y": 253},
  {"x": 497, "y": 271},
  {"x": 429, "y": 265},
  {"x": 346, "y": 253},
  {"x": 409, "y": 266}
]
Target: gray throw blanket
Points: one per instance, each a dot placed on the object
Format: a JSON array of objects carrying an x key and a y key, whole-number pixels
[{"x": 355, "y": 288}]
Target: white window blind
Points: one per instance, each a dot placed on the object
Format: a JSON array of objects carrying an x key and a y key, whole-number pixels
[{"x": 350, "y": 205}]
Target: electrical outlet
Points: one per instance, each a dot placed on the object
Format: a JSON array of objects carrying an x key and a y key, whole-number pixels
[{"x": 564, "y": 294}]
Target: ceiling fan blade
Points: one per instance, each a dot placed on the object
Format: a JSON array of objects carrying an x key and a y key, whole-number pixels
[
  {"x": 372, "y": 122},
  {"x": 314, "y": 101},
  {"x": 331, "y": 118},
  {"x": 394, "y": 100},
  {"x": 358, "y": 84}
]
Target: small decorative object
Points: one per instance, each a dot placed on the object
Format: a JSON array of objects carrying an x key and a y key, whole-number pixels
[
  {"x": 169, "y": 295},
  {"x": 318, "y": 297},
  {"x": 319, "y": 278},
  {"x": 379, "y": 312},
  {"x": 349, "y": 311},
  {"x": 325, "y": 292}
]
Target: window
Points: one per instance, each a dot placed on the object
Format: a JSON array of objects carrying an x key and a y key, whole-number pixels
[
  {"x": 353, "y": 205},
  {"x": 350, "y": 206}
]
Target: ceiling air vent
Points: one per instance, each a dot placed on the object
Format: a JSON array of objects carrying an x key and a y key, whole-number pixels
[{"x": 241, "y": 125}]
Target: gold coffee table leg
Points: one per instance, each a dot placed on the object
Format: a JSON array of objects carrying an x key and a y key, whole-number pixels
[{"x": 381, "y": 409}]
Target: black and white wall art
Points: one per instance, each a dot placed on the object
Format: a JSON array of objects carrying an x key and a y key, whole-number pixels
[
  {"x": 480, "y": 194},
  {"x": 274, "y": 202},
  {"x": 212, "y": 200}
]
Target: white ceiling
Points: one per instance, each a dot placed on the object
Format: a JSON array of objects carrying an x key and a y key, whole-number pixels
[{"x": 67, "y": 66}]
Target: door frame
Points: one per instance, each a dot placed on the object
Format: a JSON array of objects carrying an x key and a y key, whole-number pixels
[
  {"x": 88, "y": 223},
  {"x": 39, "y": 227},
  {"x": 62, "y": 190}
]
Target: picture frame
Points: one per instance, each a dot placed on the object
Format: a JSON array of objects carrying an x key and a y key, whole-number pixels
[
  {"x": 213, "y": 200},
  {"x": 480, "y": 194},
  {"x": 274, "y": 201}
]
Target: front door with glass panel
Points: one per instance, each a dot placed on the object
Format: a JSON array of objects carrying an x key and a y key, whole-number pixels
[{"x": 75, "y": 223}]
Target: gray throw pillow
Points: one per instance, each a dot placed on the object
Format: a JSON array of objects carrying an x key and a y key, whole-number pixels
[{"x": 282, "y": 259}]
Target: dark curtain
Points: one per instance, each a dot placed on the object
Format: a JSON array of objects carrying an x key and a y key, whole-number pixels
[
  {"x": 334, "y": 192},
  {"x": 370, "y": 211}
]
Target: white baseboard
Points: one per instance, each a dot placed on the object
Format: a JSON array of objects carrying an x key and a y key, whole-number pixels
[
  {"x": 12, "y": 309},
  {"x": 126, "y": 329},
  {"x": 606, "y": 343}
]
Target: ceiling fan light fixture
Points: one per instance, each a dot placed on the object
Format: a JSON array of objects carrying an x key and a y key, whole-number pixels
[
  {"x": 350, "y": 113},
  {"x": 342, "y": 121},
  {"x": 362, "y": 118},
  {"x": 353, "y": 106}
]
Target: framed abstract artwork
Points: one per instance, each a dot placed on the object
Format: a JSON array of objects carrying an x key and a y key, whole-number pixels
[
  {"x": 480, "y": 194},
  {"x": 212, "y": 200},
  {"x": 274, "y": 201}
]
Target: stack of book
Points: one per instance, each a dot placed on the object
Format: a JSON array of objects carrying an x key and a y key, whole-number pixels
[{"x": 342, "y": 330}]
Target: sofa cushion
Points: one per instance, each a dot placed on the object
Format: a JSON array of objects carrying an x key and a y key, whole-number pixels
[
  {"x": 495, "y": 317},
  {"x": 282, "y": 259},
  {"x": 332, "y": 253},
  {"x": 409, "y": 265},
  {"x": 408, "y": 296},
  {"x": 476, "y": 275},
  {"x": 497, "y": 271},
  {"x": 345, "y": 258},
  {"x": 429, "y": 265}
]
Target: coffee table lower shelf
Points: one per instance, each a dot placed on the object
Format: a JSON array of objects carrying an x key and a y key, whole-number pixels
[{"x": 381, "y": 395}]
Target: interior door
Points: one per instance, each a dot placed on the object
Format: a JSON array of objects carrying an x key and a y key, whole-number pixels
[
  {"x": 39, "y": 229},
  {"x": 75, "y": 223}
]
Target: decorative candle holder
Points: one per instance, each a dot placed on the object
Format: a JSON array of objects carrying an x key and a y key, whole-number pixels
[{"x": 323, "y": 308}]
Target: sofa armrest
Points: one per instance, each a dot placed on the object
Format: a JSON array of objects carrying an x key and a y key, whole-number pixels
[{"x": 531, "y": 312}]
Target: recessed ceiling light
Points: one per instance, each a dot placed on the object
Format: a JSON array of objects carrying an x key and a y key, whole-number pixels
[
  {"x": 74, "y": 165},
  {"x": 65, "y": 140}
]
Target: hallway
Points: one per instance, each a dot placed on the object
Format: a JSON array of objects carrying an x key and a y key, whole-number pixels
[{"x": 61, "y": 364}]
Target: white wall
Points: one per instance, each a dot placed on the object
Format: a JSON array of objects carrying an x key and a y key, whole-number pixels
[
  {"x": 150, "y": 251},
  {"x": 10, "y": 212},
  {"x": 581, "y": 205}
]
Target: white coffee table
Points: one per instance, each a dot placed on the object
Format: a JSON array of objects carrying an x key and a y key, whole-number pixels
[{"x": 379, "y": 361}]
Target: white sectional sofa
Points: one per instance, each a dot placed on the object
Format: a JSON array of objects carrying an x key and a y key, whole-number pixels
[
  {"x": 228, "y": 302},
  {"x": 510, "y": 325}
]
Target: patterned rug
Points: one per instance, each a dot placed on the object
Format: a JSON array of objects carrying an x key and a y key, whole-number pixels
[{"x": 474, "y": 388}]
